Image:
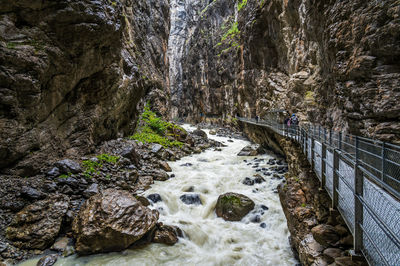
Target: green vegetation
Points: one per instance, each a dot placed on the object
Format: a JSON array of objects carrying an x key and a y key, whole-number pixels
[
  {"x": 153, "y": 129},
  {"x": 310, "y": 97},
  {"x": 11, "y": 45},
  {"x": 65, "y": 176},
  {"x": 91, "y": 166},
  {"x": 231, "y": 200},
  {"x": 241, "y": 4},
  {"x": 303, "y": 205},
  {"x": 232, "y": 32}
]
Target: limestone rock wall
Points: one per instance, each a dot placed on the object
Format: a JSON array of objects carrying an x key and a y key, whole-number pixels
[
  {"x": 72, "y": 73},
  {"x": 332, "y": 62}
]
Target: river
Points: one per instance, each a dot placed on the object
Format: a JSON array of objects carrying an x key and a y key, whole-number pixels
[{"x": 210, "y": 240}]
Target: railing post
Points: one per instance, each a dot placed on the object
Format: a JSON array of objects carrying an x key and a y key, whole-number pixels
[
  {"x": 358, "y": 207},
  {"x": 323, "y": 164},
  {"x": 340, "y": 141},
  {"x": 383, "y": 161},
  {"x": 312, "y": 150},
  {"x": 335, "y": 196}
]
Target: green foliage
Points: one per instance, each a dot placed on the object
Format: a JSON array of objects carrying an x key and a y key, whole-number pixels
[
  {"x": 303, "y": 205},
  {"x": 232, "y": 32},
  {"x": 108, "y": 158},
  {"x": 310, "y": 97},
  {"x": 65, "y": 176},
  {"x": 91, "y": 167},
  {"x": 11, "y": 45},
  {"x": 241, "y": 4},
  {"x": 154, "y": 129}
]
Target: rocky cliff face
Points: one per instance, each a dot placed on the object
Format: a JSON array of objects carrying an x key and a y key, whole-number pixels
[
  {"x": 72, "y": 73},
  {"x": 332, "y": 62}
]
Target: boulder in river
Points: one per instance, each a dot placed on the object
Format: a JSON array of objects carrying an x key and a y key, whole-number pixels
[
  {"x": 251, "y": 150},
  {"x": 166, "y": 234},
  {"x": 191, "y": 199},
  {"x": 48, "y": 260},
  {"x": 200, "y": 133},
  {"x": 233, "y": 206},
  {"x": 111, "y": 221},
  {"x": 38, "y": 224}
]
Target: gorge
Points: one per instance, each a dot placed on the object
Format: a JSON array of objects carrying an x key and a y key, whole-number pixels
[{"x": 76, "y": 75}]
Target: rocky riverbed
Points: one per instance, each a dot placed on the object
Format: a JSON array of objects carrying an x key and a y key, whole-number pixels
[
  {"x": 36, "y": 211},
  {"x": 187, "y": 200}
]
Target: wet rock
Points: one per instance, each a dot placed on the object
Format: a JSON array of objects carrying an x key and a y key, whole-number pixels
[
  {"x": 263, "y": 225},
  {"x": 191, "y": 199},
  {"x": 229, "y": 140},
  {"x": 173, "y": 175},
  {"x": 325, "y": 234},
  {"x": 233, "y": 206},
  {"x": 143, "y": 200},
  {"x": 48, "y": 260},
  {"x": 332, "y": 253},
  {"x": 154, "y": 197},
  {"x": 156, "y": 148},
  {"x": 166, "y": 234},
  {"x": 165, "y": 166},
  {"x": 38, "y": 224},
  {"x": 213, "y": 132},
  {"x": 70, "y": 181},
  {"x": 160, "y": 175},
  {"x": 265, "y": 208},
  {"x": 250, "y": 150},
  {"x": 347, "y": 261},
  {"x": 54, "y": 172},
  {"x": 61, "y": 244},
  {"x": 111, "y": 221},
  {"x": 49, "y": 186},
  {"x": 31, "y": 193},
  {"x": 68, "y": 166},
  {"x": 200, "y": 133},
  {"x": 143, "y": 183},
  {"x": 3, "y": 246},
  {"x": 255, "y": 219},
  {"x": 92, "y": 190},
  {"x": 188, "y": 189},
  {"x": 248, "y": 181},
  {"x": 186, "y": 164},
  {"x": 258, "y": 179},
  {"x": 130, "y": 154}
]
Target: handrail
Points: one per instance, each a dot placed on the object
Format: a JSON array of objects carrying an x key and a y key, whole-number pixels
[{"x": 370, "y": 169}]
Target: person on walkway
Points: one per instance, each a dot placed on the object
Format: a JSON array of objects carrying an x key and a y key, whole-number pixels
[
  {"x": 294, "y": 120},
  {"x": 286, "y": 121},
  {"x": 257, "y": 118}
]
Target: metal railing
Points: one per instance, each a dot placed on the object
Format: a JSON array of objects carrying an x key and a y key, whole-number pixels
[{"x": 362, "y": 177}]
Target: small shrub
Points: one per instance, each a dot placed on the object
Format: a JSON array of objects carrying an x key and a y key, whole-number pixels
[
  {"x": 241, "y": 4},
  {"x": 155, "y": 130},
  {"x": 65, "y": 175}
]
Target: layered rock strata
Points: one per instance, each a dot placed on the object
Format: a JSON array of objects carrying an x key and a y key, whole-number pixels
[
  {"x": 332, "y": 62},
  {"x": 72, "y": 73}
]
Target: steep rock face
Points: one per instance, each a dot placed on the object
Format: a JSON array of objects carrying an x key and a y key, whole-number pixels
[
  {"x": 332, "y": 62},
  {"x": 72, "y": 73},
  {"x": 184, "y": 17}
]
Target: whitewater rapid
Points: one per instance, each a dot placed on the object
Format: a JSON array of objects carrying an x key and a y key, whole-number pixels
[{"x": 210, "y": 240}]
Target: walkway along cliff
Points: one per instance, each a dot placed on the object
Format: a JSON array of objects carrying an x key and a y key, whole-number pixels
[{"x": 359, "y": 175}]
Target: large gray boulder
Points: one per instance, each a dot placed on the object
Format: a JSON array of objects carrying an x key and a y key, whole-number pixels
[
  {"x": 233, "y": 206},
  {"x": 111, "y": 221},
  {"x": 251, "y": 150}
]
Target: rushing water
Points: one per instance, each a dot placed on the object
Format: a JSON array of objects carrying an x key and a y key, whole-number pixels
[{"x": 210, "y": 240}]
